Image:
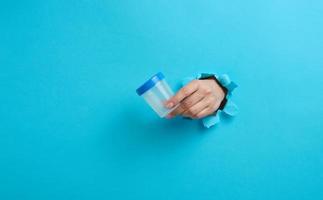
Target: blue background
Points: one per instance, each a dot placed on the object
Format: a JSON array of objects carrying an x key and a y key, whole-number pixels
[{"x": 72, "y": 126}]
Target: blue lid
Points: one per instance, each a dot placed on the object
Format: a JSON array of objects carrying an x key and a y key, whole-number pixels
[{"x": 150, "y": 83}]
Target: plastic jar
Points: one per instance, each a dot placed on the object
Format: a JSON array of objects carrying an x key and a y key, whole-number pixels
[{"x": 156, "y": 92}]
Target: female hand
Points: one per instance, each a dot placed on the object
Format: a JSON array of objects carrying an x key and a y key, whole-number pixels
[{"x": 197, "y": 99}]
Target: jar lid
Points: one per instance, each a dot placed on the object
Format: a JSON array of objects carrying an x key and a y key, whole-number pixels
[{"x": 150, "y": 83}]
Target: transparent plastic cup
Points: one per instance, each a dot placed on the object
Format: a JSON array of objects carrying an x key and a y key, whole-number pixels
[{"x": 156, "y": 92}]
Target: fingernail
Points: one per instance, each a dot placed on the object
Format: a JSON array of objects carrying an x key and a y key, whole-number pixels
[{"x": 169, "y": 105}]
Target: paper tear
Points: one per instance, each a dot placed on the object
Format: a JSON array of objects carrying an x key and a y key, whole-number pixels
[
  {"x": 230, "y": 108},
  {"x": 211, "y": 120}
]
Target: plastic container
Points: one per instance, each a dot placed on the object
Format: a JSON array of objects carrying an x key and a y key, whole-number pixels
[{"x": 156, "y": 91}]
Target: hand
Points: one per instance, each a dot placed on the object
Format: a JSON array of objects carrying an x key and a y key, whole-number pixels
[{"x": 197, "y": 99}]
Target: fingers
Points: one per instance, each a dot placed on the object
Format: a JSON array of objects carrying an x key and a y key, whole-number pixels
[
  {"x": 182, "y": 94},
  {"x": 196, "y": 100},
  {"x": 178, "y": 111},
  {"x": 192, "y": 100},
  {"x": 187, "y": 103},
  {"x": 205, "y": 112},
  {"x": 195, "y": 109}
]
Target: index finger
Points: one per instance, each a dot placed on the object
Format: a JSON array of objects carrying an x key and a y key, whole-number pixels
[{"x": 182, "y": 94}]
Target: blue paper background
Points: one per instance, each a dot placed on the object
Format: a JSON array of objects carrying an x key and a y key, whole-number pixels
[{"x": 72, "y": 127}]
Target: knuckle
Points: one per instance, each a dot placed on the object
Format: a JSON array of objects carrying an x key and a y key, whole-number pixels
[
  {"x": 175, "y": 99},
  {"x": 185, "y": 91},
  {"x": 187, "y": 103},
  {"x": 206, "y": 90}
]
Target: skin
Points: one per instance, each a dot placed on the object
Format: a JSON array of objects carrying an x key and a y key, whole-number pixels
[{"x": 197, "y": 99}]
